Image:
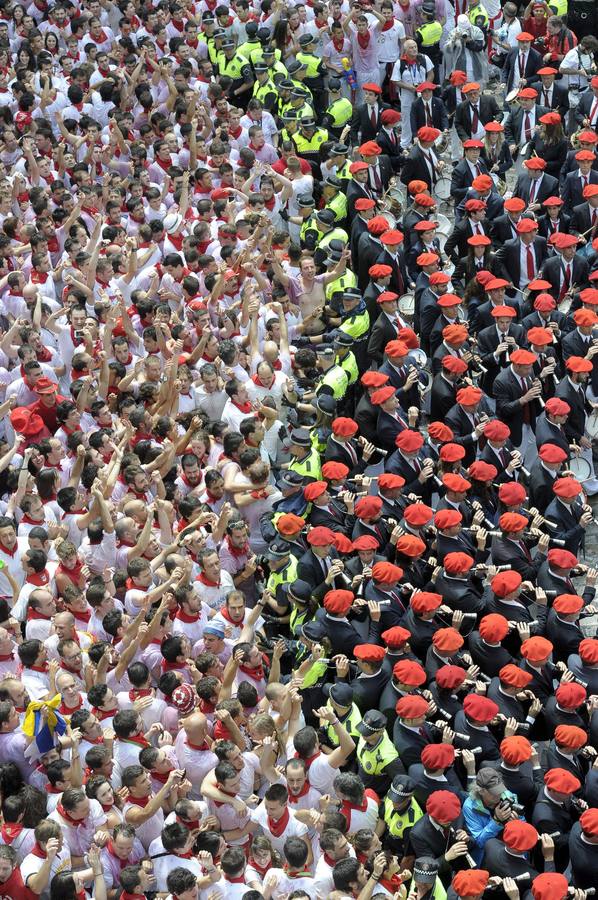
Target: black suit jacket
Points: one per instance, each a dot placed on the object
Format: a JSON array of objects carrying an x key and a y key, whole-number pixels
[
  {"x": 572, "y": 189},
  {"x": 550, "y": 433},
  {"x": 558, "y": 100},
  {"x": 462, "y": 178},
  {"x": 546, "y": 227},
  {"x": 439, "y": 115},
  {"x": 399, "y": 280},
  {"x": 384, "y": 330},
  {"x": 507, "y": 391},
  {"x": 386, "y": 172},
  {"x": 581, "y": 221},
  {"x": 390, "y": 144},
  {"x": 576, "y": 420},
  {"x": 415, "y": 168},
  {"x": 487, "y": 111},
  {"x": 356, "y": 191},
  {"x": 514, "y": 124},
  {"x": 567, "y": 519},
  {"x": 509, "y": 259},
  {"x": 488, "y": 341},
  {"x": 548, "y": 187},
  {"x": 540, "y": 486},
  {"x": 369, "y": 249},
  {"x": 553, "y": 271},
  {"x": 443, "y": 397},
  {"x": 574, "y": 345},
  {"x": 310, "y": 570},
  {"x": 502, "y": 230},
  {"x": 510, "y": 68},
  {"x": 362, "y": 129},
  {"x": 586, "y": 102}
]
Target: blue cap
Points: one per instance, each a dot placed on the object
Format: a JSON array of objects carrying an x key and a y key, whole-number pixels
[{"x": 215, "y": 629}]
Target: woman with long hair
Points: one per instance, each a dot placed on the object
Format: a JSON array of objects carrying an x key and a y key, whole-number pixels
[
  {"x": 550, "y": 143},
  {"x": 495, "y": 152},
  {"x": 71, "y": 885},
  {"x": 479, "y": 258}
]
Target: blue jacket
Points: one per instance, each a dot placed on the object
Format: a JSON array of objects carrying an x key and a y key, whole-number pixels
[{"x": 480, "y": 825}]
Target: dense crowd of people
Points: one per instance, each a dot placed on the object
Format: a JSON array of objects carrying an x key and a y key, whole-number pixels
[{"x": 299, "y": 394}]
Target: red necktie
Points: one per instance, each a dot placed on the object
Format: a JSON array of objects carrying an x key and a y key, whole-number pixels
[
  {"x": 478, "y": 168},
  {"x": 594, "y": 214},
  {"x": 478, "y": 228},
  {"x": 525, "y": 549},
  {"x": 532, "y": 193},
  {"x": 593, "y": 111},
  {"x": 531, "y": 266},
  {"x": 521, "y": 64},
  {"x": 546, "y": 100},
  {"x": 566, "y": 281},
  {"x": 428, "y": 116},
  {"x": 585, "y": 180},
  {"x": 377, "y": 179},
  {"x": 475, "y": 121},
  {"x": 528, "y": 127},
  {"x": 373, "y": 117}
]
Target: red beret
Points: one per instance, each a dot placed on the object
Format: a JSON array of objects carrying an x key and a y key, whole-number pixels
[
  {"x": 564, "y": 559},
  {"x": 567, "y": 487},
  {"x": 589, "y": 821},
  {"x": 505, "y": 583},
  {"x": 472, "y": 144},
  {"x": 570, "y": 695},
  {"x": 425, "y": 225},
  {"x": 375, "y": 88},
  {"x": 342, "y": 543},
  {"x": 425, "y": 601},
  {"x": 374, "y": 379},
  {"x": 515, "y": 750},
  {"x": 512, "y": 493},
  {"x": 396, "y": 348},
  {"x": 551, "y": 453},
  {"x": 338, "y": 602},
  {"x": 428, "y": 134},
  {"x": 289, "y": 524},
  {"x": 427, "y": 259},
  {"x": 506, "y": 312},
  {"x": 455, "y": 334},
  {"x": 515, "y": 204},
  {"x": 520, "y": 836},
  {"x": 447, "y": 518},
  {"x": 470, "y": 86},
  {"x": 482, "y": 471},
  {"x": 425, "y": 86},
  {"x": 409, "y": 337},
  {"x": 417, "y": 514},
  {"x": 481, "y": 183},
  {"x": 536, "y": 163},
  {"x": 452, "y": 452},
  {"x": 383, "y": 395},
  {"x": 412, "y": 706},
  {"x": 364, "y": 203},
  {"x": 334, "y": 471},
  {"x": 360, "y": 166},
  {"x": 585, "y": 317},
  {"x": 579, "y": 364},
  {"x": 447, "y": 640},
  {"x": 544, "y": 303},
  {"x": 494, "y": 628},
  {"x": 457, "y": 563},
  {"x": 438, "y": 431},
  {"x": 550, "y": 118},
  {"x": 344, "y": 426},
  {"x": 528, "y": 93},
  {"x": 479, "y": 240},
  {"x": 410, "y": 545},
  {"x": 370, "y": 148},
  {"x": 568, "y": 604},
  {"x": 385, "y": 296},
  {"x": 444, "y": 806},
  {"x": 588, "y": 651},
  {"x": 388, "y": 481},
  {"x": 320, "y": 536},
  {"x": 523, "y": 358},
  {"x": 525, "y": 226},
  {"x": 312, "y": 491},
  {"x": 390, "y": 116},
  {"x": 367, "y": 507},
  {"x": 409, "y": 441},
  {"x": 515, "y": 677},
  {"x": 455, "y": 483},
  {"x": 536, "y": 648},
  {"x": 370, "y": 653},
  {"x": 557, "y": 407},
  {"x": 562, "y": 781},
  {"x": 562, "y": 241},
  {"x": 386, "y": 572},
  {"x": 550, "y": 886},
  {"x": 409, "y": 672},
  {"x": 511, "y": 521},
  {"x": 450, "y": 677},
  {"x": 470, "y": 882},
  {"x": 479, "y": 708},
  {"x": 438, "y": 756},
  {"x": 366, "y": 542},
  {"x": 475, "y": 205},
  {"x": 394, "y": 236},
  {"x": 570, "y": 736},
  {"x": 395, "y": 637},
  {"x": 439, "y": 278},
  {"x": 495, "y": 430}
]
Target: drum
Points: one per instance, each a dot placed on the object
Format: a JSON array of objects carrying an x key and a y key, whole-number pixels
[
  {"x": 406, "y": 306},
  {"x": 444, "y": 225},
  {"x": 442, "y": 188},
  {"x": 580, "y": 467},
  {"x": 512, "y": 96},
  {"x": 592, "y": 425},
  {"x": 390, "y": 218},
  {"x": 396, "y": 197}
]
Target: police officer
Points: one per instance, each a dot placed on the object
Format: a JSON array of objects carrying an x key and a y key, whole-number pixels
[
  {"x": 339, "y": 111},
  {"x": 478, "y": 16},
  {"x": 315, "y": 71},
  {"x": 297, "y": 72},
  {"x": 377, "y": 757},
  {"x": 400, "y": 813},
  {"x": 428, "y": 36},
  {"x": 334, "y": 380},
  {"x": 290, "y": 121},
  {"x": 425, "y": 884},
  {"x": 299, "y": 595},
  {"x": 238, "y": 68},
  {"x": 343, "y": 344},
  {"x": 252, "y": 43},
  {"x": 305, "y": 460},
  {"x": 264, "y": 89},
  {"x": 276, "y": 68},
  {"x": 328, "y": 231},
  {"x": 342, "y": 282},
  {"x": 302, "y": 102},
  {"x": 356, "y": 323},
  {"x": 339, "y": 157},
  {"x": 309, "y": 140},
  {"x": 308, "y": 234},
  {"x": 340, "y": 701},
  {"x": 283, "y": 570},
  {"x": 334, "y": 198}
]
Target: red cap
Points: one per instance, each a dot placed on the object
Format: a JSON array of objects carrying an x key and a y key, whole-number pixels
[
  {"x": 472, "y": 144},
  {"x": 525, "y": 226},
  {"x": 588, "y": 651},
  {"x": 525, "y": 36},
  {"x": 364, "y": 203},
  {"x": 378, "y": 224},
  {"x": 437, "y": 756},
  {"x": 311, "y": 492},
  {"x": 409, "y": 441},
  {"x": 394, "y": 236},
  {"x": 470, "y": 882},
  {"x": 536, "y": 163},
  {"x": 481, "y": 183},
  {"x": 344, "y": 426},
  {"x": 475, "y": 205},
  {"x": 454, "y": 364},
  {"x": 570, "y": 736},
  {"x": 320, "y": 536},
  {"x": 417, "y": 514},
  {"x": 553, "y": 201},
  {"x": 447, "y": 640},
  {"x": 410, "y": 545},
  {"x": 358, "y": 166},
  {"x": 390, "y": 116},
  {"x": 564, "y": 559},
  {"x": 450, "y": 677},
  {"x": 395, "y": 637},
  {"x": 413, "y": 706},
  {"x": 515, "y": 204},
  {"x": 388, "y": 481},
  {"x": 589, "y": 821},
  {"x": 368, "y": 507},
  {"x": 540, "y": 337},
  {"x": 493, "y": 127},
  {"x": 386, "y": 572},
  {"x": 452, "y": 452},
  {"x": 457, "y": 77},
  {"x": 515, "y": 750},
  {"x": 520, "y": 836},
  {"x": 421, "y": 198},
  {"x": 338, "y": 602},
  {"x": 570, "y": 695},
  {"x": 428, "y": 134},
  {"x": 511, "y": 493},
  {"x": 590, "y": 190},
  {"x": 536, "y": 648},
  {"x": 440, "y": 432},
  {"x": 568, "y": 604},
  {"x": 495, "y": 430},
  {"x": 550, "y": 886},
  {"x": 562, "y": 241},
  {"x": 370, "y": 148},
  {"x": 479, "y": 708},
  {"x": 24, "y": 421},
  {"x": 562, "y": 781},
  {"x": 515, "y": 677},
  {"x": 45, "y": 385},
  {"x": 523, "y": 358},
  {"x": 567, "y": 487},
  {"x": 385, "y": 296},
  {"x": 425, "y": 225},
  {"x": 551, "y": 453},
  {"x": 447, "y": 518},
  {"x": 374, "y": 379},
  {"x": 505, "y": 583},
  {"x": 289, "y": 524},
  {"x": 425, "y": 601},
  {"x": 511, "y": 521},
  {"x": 370, "y": 653},
  {"x": 494, "y": 628},
  {"x": 334, "y": 471},
  {"x": 455, "y": 334},
  {"x": 427, "y": 259},
  {"x": 455, "y": 483},
  {"x": 439, "y": 278},
  {"x": 375, "y": 88},
  {"x": 409, "y": 672},
  {"x": 551, "y": 118},
  {"x": 425, "y": 86},
  {"x": 366, "y": 542},
  {"x": 527, "y": 94},
  {"x": 342, "y": 543},
  {"x": 382, "y": 395},
  {"x": 457, "y": 563},
  {"x": 444, "y": 806},
  {"x": 585, "y": 317},
  {"x": 469, "y": 396}
]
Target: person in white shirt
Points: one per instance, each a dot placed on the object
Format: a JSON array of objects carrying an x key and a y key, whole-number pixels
[
  {"x": 238, "y": 406},
  {"x": 53, "y": 853}
]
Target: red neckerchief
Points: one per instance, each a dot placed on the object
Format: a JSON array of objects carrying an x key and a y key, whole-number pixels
[
  {"x": 172, "y": 666},
  {"x": 102, "y": 714},
  {"x": 39, "y": 579},
  {"x": 27, "y": 520},
  {"x": 301, "y": 873},
  {"x": 308, "y": 759},
  {"x": 228, "y": 794},
  {"x": 363, "y": 40},
  {"x": 391, "y": 884},
  {"x": 138, "y": 739},
  {"x": 206, "y": 707},
  {"x": 347, "y": 808},
  {"x": 53, "y": 245},
  {"x": 294, "y": 798},
  {"x": 231, "y": 880},
  {"x": 65, "y": 815},
  {"x": 242, "y": 407},
  {"x": 221, "y": 732},
  {"x": 36, "y": 850},
  {"x": 69, "y": 710},
  {"x": 126, "y": 896},
  {"x": 5, "y": 549},
  {"x": 277, "y": 828},
  {"x": 257, "y": 673},
  {"x": 68, "y": 668},
  {"x": 82, "y": 617},
  {"x": 163, "y": 165},
  {"x": 110, "y": 848},
  {"x": 202, "y": 748},
  {"x": 237, "y": 551},
  {"x": 10, "y": 831},
  {"x": 261, "y": 870},
  {"x": 176, "y": 240},
  {"x": 388, "y": 25},
  {"x": 140, "y": 801},
  {"x": 48, "y": 787},
  {"x": 38, "y": 277},
  {"x": 188, "y": 618},
  {"x": 36, "y": 614},
  {"x": 180, "y": 25},
  {"x": 73, "y": 575},
  {"x": 135, "y": 694},
  {"x": 205, "y": 580},
  {"x": 226, "y": 615},
  {"x": 6, "y": 657}
]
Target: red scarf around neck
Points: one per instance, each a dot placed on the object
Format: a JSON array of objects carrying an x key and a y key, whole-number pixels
[
  {"x": 67, "y": 816},
  {"x": 363, "y": 40},
  {"x": 277, "y": 828},
  {"x": 10, "y": 831},
  {"x": 256, "y": 674},
  {"x": 294, "y": 798}
]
